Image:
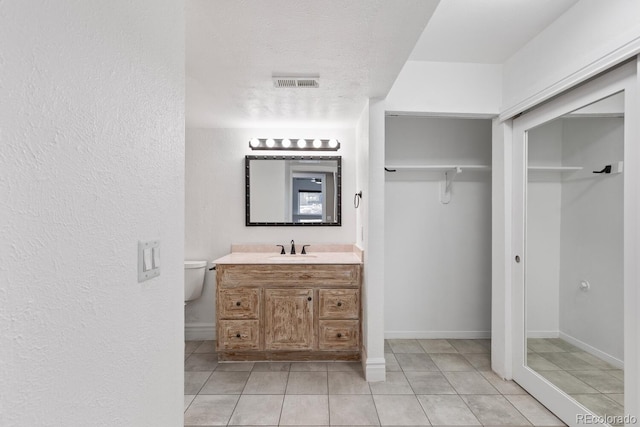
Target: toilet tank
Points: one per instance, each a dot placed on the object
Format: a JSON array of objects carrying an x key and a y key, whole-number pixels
[{"x": 193, "y": 279}]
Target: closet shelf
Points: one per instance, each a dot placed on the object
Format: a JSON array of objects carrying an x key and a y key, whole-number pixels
[
  {"x": 554, "y": 168},
  {"x": 435, "y": 168}
]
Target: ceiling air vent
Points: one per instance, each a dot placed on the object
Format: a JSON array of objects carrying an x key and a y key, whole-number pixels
[{"x": 297, "y": 82}]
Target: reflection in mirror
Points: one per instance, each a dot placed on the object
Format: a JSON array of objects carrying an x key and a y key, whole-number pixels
[
  {"x": 293, "y": 190},
  {"x": 574, "y": 244}
]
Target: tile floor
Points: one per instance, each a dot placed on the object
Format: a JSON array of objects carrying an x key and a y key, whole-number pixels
[
  {"x": 429, "y": 382},
  {"x": 591, "y": 381}
]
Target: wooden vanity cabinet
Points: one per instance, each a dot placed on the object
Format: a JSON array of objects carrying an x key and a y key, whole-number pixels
[{"x": 288, "y": 312}]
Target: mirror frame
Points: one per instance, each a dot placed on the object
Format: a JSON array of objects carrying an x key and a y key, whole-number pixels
[{"x": 337, "y": 223}]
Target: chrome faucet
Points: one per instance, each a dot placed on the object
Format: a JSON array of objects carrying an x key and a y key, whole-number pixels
[{"x": 293, "y": 248}]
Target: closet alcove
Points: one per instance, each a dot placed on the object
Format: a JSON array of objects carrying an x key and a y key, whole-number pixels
[{"x": 437, "y": 227}]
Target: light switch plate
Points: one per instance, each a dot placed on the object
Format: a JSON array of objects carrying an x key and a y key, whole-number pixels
[{"x": 152, "y": 270}]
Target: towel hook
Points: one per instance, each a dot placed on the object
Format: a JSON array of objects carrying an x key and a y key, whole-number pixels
[{"x": 356, "y": 199}]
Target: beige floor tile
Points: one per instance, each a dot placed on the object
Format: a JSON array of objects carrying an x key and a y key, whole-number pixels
[
  {"x": 559, "y": 342},
  {"x": 569, "y": 362},
  {"x": 449, "y": 410},
  {"x": 600, "y": 404},
  {"x": 272, "y": 367},
  {"x": 191, "y": 346},
  {"x": 188, "y": 398},
  {"x": 593, "y": 360},
  {"x": 618, "y": 373},
  {"x": 266, "y": 383},
  {"x": 534, "y": 411},
  {"x": 257, "y": 410},
  {"x": 391, "y": 363},
  {"x": 437, "y": 346},
  {"x": 305, "y": 410},
  {"x": 495, "y": 411},
  {"x": 221, "y": 382},
  {"x": 201, "y": 362},
  {"x": 470, "y": 383},
  {"x": 469, "y": 346},
  {"x": 210, "y": 410},
  {"x": 352, "y": 410},
  {"x": 451, "y": 362},
  {"x": 429, "y": 383},
  {"x": 415, "y": 362},
  {"x": 308, "y": 366},
  {"x": 567, "y": 382},
  {"x": 400, "y": 411},
  {"x": 600, "y": 380},
  {"x": 206, "y": 347},
  {"x": 541, "y": 345},
  {"x": 235, "y": 366},
  {"x": 194, "y": 380},
  {"x": 345, "y": 366},
  {"x": 503, "y": 386},
  {"x": 307, "y": 383},
  {"x": 480, "y": 361},
  {"x": 617, "y": 397},
  {"x": 405, "y": 346},
  {"x": 539, "y": 363},
  {"x": 347, "y": 383},
  {"x": 395, "y": 383}
]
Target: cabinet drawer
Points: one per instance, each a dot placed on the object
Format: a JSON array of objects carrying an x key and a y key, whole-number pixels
[
  {"x": 339, "y": 335},
  {"x": 339, "y": 303},
  {"x": 238, "y": 303},
  {"x": 238, "y": 335}
]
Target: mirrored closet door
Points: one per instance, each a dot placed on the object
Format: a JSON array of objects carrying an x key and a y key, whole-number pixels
[{"x": 569, "y": 261}]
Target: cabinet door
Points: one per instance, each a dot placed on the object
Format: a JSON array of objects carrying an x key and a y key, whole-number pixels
[{"x": 288, "y": 319}]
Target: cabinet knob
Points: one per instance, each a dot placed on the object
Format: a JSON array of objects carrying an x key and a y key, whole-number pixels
[
  {"x": 339, "y": 335},
  {"x": 339, "y": 304},
  {"x": 308, "y": 298},
  {"x": 237, "y": 335},
  {"x": 238, "y": 304}
]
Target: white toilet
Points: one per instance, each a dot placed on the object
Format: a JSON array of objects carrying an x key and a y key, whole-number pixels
[{"x": 193, "y": 279}]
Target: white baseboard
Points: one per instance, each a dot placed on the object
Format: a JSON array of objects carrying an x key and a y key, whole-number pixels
[
  {"x": 374, "y": 368},
  {"x": 593, "y": 351},
  {"x": 427, "y": 335},
  {"x": 199, "y": 331},
  {"x": 543, "y": 334}
]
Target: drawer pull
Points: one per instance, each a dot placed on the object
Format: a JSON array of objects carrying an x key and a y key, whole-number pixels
[
  {"x": 238, "y": 304},
  {"x": 339, "y": 304},
  {"x": 237, "y": 335},
  {"x": 339, "y": 335},
  {"x": 308, "y": 298}
]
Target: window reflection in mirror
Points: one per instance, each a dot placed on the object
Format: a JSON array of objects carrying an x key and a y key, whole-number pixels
[{"x": 293, "y": 190}]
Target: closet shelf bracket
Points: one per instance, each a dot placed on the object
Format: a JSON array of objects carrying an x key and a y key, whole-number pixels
[{"x": 446, "y": 185}]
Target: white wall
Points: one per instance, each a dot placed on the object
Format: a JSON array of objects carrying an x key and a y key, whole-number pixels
[
  {"x": 577, "y": 39},
  {"x": 92, "y": 150},
  {"x": 437, "y": 256},
  {"x": 592, "y": 236},
  {"x": 449, "y": 88},
  {"x": 215, "y": 205}
]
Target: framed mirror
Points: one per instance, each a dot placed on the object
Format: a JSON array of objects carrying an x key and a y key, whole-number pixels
[{"x": 293, "y": 190}]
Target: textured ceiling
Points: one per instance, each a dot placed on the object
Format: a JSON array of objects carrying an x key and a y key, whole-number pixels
[
  {"x": 484, "y": 31},
  {"x": 233, "y": 47}
]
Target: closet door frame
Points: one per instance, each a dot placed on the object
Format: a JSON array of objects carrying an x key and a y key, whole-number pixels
[{"x": 623, "y": 78}]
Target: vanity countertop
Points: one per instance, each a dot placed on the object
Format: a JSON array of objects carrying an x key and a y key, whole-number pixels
[{"x": 324, "y": 255}]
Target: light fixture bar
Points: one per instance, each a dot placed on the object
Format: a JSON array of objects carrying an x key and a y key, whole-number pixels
[{"x": 294, "y": 144}]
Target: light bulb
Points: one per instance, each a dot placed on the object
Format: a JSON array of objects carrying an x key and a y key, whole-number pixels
[
  {"x": 270, "y": 143},
  {"x": 302, "y": 143},
  {"x": 333, "y": 143},
  {"x": 254, "y": 142},
  {"x": 286, "y": 142},
  {"x": 317, "y": 143}
]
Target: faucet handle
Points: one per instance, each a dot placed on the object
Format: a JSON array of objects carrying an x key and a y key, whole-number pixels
[
  {"x": 282, "y": 252},
  {"x": 304, "y": 251}
]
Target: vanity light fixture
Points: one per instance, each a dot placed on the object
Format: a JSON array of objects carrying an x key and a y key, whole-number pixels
[{"x": 315, "y": 144}]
